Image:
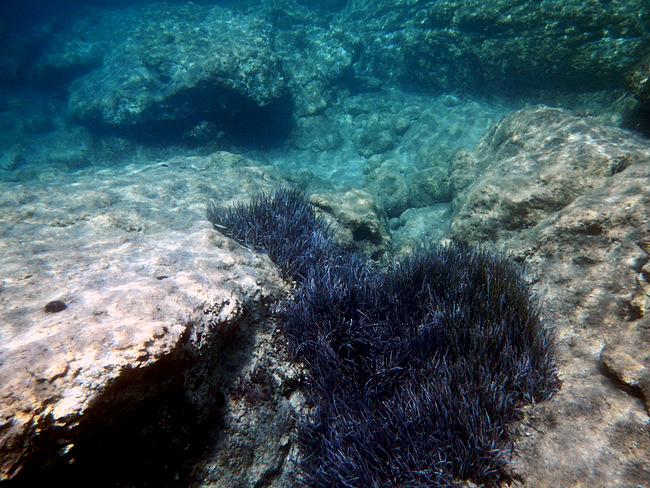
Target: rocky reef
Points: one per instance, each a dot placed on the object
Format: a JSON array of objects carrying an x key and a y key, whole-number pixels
[
  {"x": 140, "y": 347},
  {"x": 171, "y": 72},
  {"x": 573, "y": 207},
  {"x": 143, "y": 321}
]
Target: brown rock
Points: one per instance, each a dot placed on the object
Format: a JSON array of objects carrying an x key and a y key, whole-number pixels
[
  {"x": 571, "y": 200},
  {"x": 532, "y": 164},
  {"x": 627, "y": 359}
]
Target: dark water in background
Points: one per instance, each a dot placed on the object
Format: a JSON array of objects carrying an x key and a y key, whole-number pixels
[{"x": 20, "y": 15}]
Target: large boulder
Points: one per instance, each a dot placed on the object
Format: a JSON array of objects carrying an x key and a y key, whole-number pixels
[
  {"x": 498, "y": 44},
  {"x": 168, "y": 68},
  {"x": 135, "y": 335},
  {"x": 570, "y": 199},
  {"x": 591, "y": 263},
  {"x": 531, "y": 164}
]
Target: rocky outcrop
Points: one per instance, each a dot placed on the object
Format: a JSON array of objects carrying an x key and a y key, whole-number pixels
[
  {"x": 168, "y": 68},
  {"x": 570, "y": 199},
  {"x": 499, "y": 44},
  {"x": 638, "y": 80},
  {"x": 134, "y": 334},
  {"x": 532, "y": 164}
]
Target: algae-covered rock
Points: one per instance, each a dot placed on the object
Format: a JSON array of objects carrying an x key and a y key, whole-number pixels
[
  {"x": 505, "y": 45},
  {"x": 638, "y": 80},
  {"x": 428, "y": 187},
  {"x": 390, "y": 187},
  {"x": 375, "y": 140},
  {"x": 169, "y": 67}
]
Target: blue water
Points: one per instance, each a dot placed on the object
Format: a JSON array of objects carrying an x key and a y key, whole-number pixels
[{"x": 305, "y": 91}]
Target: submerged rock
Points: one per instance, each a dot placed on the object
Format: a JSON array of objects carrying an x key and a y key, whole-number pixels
[
  {"x": 638, "y": 80},
  {"x": 358, "y": 222},
  {"x": 498, "y": 45},
  {"x": 532, "y": 164},
  {"x": 390, "y": 187},
  {"x": 167, "y": 68},
  {"x": 134, "y": 335},
  {"x": 570, "y": 199}
]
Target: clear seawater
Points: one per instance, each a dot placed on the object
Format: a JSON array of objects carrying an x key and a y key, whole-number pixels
[{"x": 41, "y": 137}]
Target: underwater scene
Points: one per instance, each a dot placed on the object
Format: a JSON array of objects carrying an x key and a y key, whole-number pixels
[{"x": 337, "y": 243}]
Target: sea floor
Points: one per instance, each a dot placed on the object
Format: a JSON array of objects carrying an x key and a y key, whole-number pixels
[{"x": 389, "y": 131}]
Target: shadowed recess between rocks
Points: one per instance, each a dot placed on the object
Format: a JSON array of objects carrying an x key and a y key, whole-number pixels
[{"x": 414, "y": 373}]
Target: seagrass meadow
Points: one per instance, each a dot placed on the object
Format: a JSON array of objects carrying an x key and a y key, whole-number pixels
[{"x": 415, "y": 371}]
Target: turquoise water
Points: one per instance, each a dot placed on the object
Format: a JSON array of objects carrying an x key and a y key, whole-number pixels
[
  {"x": 329, "y": 96},
  {"x": 322, "y": 86}
]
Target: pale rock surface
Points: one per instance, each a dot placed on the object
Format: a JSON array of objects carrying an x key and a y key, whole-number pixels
[
  {"x": 159, "y": 305},
  {"x": 574, "y": 201},
  {"x": 358, "y": 222}
]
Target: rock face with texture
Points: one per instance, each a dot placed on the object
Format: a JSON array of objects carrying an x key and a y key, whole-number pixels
[
  {"x": 358, "y": 222},
  {"x": 573, "y": 204},
  {"x": 134, "y": 334},
  {"x": 499, "y": 44},
  {"x": 638, "y": 80},
  {"x": 170, "y": 67},
  {"x": 533, "y": 163}
]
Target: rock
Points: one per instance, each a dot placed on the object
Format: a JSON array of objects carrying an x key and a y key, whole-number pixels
[
  {"x": 398, "y": 186},
  {"x": 134, "y": 334},
  {"x": 584, "y": 190},
  {"x": 638, "y": 80},
  {"x": 315, "y": 133},
  {"x": 358, "y": 222},
  {"x": 21, "y": 44},
  {"x": 201, "y": 64},
  {"x": 428, "y": 187},
  {"x": 637, "y": 116},
  {"x": 317, "y": 55},
  {"x": 533, "y": 163},
  {"x": 389, "y": 187},
  {"x": 375, "y": 140},
  {"x": 588, "y": 263},
  {"x": 70, "y": 55},
  {"x": 627, "y": 359},
  {"x": 418, "y": 228},
  {"x": 497, "y": 45}
]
